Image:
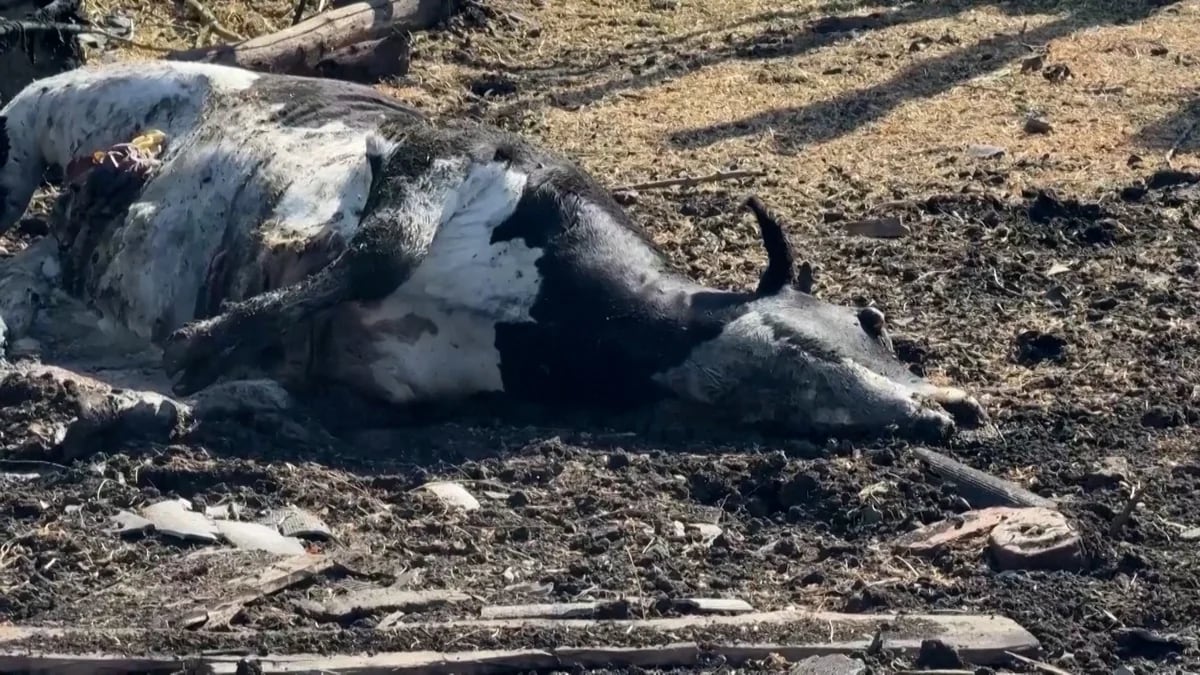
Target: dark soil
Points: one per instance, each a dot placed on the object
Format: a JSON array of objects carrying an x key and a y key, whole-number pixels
[
  {"x": 1076, "y": 315},
  {"x": 572, "y": 510}
]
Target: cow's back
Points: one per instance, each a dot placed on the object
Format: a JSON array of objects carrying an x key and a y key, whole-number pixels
[{"x": 256, "y": 166}]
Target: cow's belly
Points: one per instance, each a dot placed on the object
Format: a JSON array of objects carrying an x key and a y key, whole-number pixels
[
  {"x": 435, "y": 336},
  {"x": 416, "y": 350}
]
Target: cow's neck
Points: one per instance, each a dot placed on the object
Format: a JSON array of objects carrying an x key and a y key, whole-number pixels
[{"x": 604, "y": 327}]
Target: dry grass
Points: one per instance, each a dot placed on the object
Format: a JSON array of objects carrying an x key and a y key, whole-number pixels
[{"x": 655, "y": 89}]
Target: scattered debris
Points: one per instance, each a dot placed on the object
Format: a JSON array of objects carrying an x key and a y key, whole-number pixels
[
  {"x": 979, "y": 488},
  {"x": 980, "y": 151},
  {"x": 258, "y": 537},
  {"x": 1044, "y": 667},
  {"x": 453, "y": 495},
  {"x": 1118, "y": 523},
  {"x": 1146, "y": 644},
  {"x": 686, "y": 181},
  {"x": 938, "y": 654},
  {"x": 175, "y": 518},
  {"x": 560, "y": 610},
  {"x": 1034, "y": 347},
  {"x": 705, "y": 532},
  {"x": 350, "y": 606},
  {"x": 877, "y": 228},
  {"x": 1110, "y": 472},
  {"x": 832, "y": 664},
  {"x": 296, "y": 522},
  {"x": 1036, "y": 538},
  {"x": 933, "y": 538},
  {"x": 130, "y": 523},
  {"x": 1058, "y": 72},
  {"x": 712, "y": 606},
  {"x": 978, "y": 639},
  {"x": 278, "y": 576},
  {"x": 1037, "y": 125}
]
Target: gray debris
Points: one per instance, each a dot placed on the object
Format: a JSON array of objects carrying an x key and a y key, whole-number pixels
[
  {"x": 830, "y": 664},
  {"x": 258, "y": 537},
  {"x": 293, "y": 521},
  {"x": 453, "y": 495},
  {"x": 174, "y": 517}
]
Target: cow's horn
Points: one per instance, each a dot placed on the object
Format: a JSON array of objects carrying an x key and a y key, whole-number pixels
[{"x": 781, "y": 261}]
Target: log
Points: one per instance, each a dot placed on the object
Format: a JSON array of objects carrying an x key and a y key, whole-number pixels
[
  {"x": 366, "y": 62},
  {"x": 33, "y": 45},
  {"x": 325, "y": 38},
  {"x": 979, "y": 488}
]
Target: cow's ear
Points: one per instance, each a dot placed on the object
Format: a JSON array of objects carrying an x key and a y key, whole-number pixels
[{"x": 781, "y": 260}]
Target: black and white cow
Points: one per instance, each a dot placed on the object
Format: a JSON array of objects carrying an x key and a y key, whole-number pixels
[{"x": 320, "y": 229}]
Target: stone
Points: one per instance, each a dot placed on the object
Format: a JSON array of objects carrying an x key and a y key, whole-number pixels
[{"x": 454, "y": 495}]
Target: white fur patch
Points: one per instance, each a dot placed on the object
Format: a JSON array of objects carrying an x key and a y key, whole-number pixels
[
  {"x": 225, "y": 161},
  {"x": 464, "y": 286}
]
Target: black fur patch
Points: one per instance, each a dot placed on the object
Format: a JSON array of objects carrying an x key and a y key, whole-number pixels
[
  {"x": 4, "y": 144},
  {"x": 5, "y": 147},
  {"x": 596, "y": 338}
]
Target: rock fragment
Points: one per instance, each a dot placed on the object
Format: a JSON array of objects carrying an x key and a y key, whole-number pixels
[
  {"x": 174, "y": 518},
  {"x": 258, "y": 537},
  {"x": 453, "y": 495}
]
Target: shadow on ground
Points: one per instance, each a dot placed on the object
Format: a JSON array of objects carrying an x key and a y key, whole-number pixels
[
  {"x": 1178, "y": 131},
  {"x": 826, "y": 120},
  {"x": 569, "y": 81}
]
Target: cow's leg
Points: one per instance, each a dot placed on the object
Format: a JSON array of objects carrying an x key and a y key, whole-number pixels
[
  {"x": 380, "y": 257},
  {"x": 26, "y": 282}
]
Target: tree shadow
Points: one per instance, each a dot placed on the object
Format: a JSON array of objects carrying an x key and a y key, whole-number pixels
[
  {"x": 822, "y": 121},
  {"x": 654, "y": 62},
  {"x": 1179, "y": 131}
]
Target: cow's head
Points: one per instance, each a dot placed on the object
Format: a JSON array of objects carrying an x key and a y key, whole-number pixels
[{"x": 795, "y": 363}]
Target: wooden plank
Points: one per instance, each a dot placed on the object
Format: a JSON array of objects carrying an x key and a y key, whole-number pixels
[
  {"x": 594, "y": 608},
  {"x": 673, "y": 655},
  {"x": 276, "y": 577},
  {"x": 714, "y": 605},
  {"x": 545, "y": 610},
  {"x": 372, "y": 600},
  {"x": 979, "y": 639}
]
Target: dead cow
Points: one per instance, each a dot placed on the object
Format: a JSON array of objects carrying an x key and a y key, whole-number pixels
[{"x": 323, "y": 230}]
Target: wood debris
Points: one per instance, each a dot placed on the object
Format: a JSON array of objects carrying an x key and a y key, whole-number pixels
[
  {"x": 1036, "y": 538},
  {"x": 369, "y": 601},
  {"x": 278, "y": 576}
]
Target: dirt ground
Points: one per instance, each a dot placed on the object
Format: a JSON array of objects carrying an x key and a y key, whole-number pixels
[{"x": 1057, "y": 280}]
